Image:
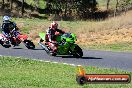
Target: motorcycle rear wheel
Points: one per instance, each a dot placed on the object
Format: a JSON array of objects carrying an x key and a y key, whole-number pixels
[
  {"x": 6, "y": 46},
  {"x": 29, "y": 44}
]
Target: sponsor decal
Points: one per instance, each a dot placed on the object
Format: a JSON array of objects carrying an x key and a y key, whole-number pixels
[{"x": 83, "y": 78}]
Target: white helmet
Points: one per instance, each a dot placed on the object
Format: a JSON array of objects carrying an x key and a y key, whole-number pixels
[
  {"x": 54, "y": 25},
  {"x": 6, "y": 18}
]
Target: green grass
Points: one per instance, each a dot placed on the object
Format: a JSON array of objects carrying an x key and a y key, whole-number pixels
[
  {"x": 103, "y": 3},
  {"x": 122, "y": 46},
  {"x": 29, "y": 24},
  {"x": 41, "y": 3},
  {"x": 26, "y": 73}
]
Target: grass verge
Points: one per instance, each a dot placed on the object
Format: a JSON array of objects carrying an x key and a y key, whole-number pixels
[
  {"x": 26, "y": 73},
  {"x": 122, "y": 46}
]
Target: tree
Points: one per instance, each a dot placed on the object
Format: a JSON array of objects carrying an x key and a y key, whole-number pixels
[
  {"x": 8, "y": 0},
  {"x": 122, "y": 6},
  {"x": 108, "y": 2},
  {"x": 11, "y": 3},
  {"x": 73, "y": 8},
  {"x": 117, "y": 2},
  {"x": 86, "y": 8},
  {"x": 3, "y": 2},
  {"x": 36, "y": 4},
  {"x": 22, "y": 8}
]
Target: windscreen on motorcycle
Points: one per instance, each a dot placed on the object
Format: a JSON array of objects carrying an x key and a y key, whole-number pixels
[{"x": 67, "y": 35}]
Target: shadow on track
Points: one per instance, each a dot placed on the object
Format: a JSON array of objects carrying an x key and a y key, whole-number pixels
[
  {"x": 38, "y": 49},
  {"x": 90, "y": 58},
  {"x": 17, "y": 48},
  {"x": 79, "y": 58}
]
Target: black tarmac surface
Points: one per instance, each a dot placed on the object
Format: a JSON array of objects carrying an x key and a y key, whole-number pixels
[{"x": 105, "y": 59}]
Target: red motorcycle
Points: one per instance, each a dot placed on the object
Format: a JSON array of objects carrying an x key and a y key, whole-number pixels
[
  {"x": 15, "y": 41},
  {"x": 4, "y": 41}
]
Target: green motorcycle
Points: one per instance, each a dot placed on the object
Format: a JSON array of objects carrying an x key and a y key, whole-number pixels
[{"x": 66, "y": 45}]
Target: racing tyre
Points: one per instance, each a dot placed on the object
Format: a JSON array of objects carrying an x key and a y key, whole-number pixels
[
  {"x": 6, "y": 46},
  {"x": 29, "y": 44},
  {"x": 53, "y": 54},
  {"x": 78, "y": 53}
]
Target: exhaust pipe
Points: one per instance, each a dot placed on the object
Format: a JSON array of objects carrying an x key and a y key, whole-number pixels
[{"x": 44, "y": 47}]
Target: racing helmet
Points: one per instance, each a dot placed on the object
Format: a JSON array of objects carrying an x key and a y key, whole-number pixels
[
  {"x": 54, "y": 25},
  {"x": 6, "y": 18}
]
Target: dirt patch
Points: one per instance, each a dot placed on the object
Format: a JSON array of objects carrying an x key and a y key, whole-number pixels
[{"x": 106, "y": 37}]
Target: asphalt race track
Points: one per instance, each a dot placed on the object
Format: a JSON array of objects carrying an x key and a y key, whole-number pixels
[{"x": 106, "y": 59}]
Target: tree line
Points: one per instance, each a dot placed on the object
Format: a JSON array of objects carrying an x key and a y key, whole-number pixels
[
  {"x": 120, "y": 6},
  {"x": 78, "y": 9},
  {"x": 66, "y": 8}
]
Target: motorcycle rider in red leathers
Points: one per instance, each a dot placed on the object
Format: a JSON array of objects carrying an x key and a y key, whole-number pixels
[{"x": 51, "y": 34}]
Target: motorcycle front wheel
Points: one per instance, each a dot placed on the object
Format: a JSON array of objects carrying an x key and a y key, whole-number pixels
[{"x": 78, "y": 53}]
